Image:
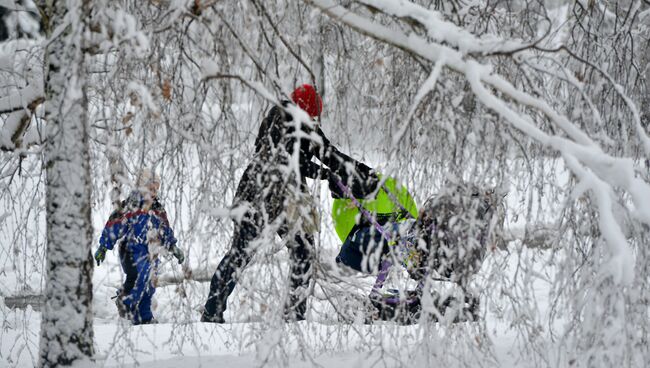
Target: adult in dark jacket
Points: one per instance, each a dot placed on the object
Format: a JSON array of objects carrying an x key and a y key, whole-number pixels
[{"x": 270, "y": 182}]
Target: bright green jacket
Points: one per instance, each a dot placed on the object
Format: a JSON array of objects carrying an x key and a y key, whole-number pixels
[{"x": 345, "y": 212}]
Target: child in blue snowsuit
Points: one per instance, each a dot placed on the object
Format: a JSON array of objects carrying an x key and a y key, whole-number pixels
[{"x": 141, "y": 230}]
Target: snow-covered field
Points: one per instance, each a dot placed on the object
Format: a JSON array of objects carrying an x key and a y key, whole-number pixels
[
  {"x": 257, "y": 339},
  {"x": 195, "y": 344},
  {"x": 256, "y": 336},
  {"x": 508, "y": 93}
]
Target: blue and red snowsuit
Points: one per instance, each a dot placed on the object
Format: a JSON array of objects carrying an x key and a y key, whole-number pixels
[{"x": 139, "y": 232}]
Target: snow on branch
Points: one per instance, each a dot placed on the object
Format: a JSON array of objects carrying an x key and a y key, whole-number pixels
[
  {"x": 427, "y": 87},
  {"x": 445, "y": 32},
  {"x": 600, "y": 171},
  {"x": 210, "y": 71},
  {"x": 19, "y": 107},
  {"x": 23, "y": 91},
  {"x": 621, "y": 265},
  {"x": 21, "y": 98},
  {"x": 145, "y": 97}
]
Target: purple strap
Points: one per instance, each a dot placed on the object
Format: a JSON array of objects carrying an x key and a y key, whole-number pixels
[{"x": 384, "y": 268}]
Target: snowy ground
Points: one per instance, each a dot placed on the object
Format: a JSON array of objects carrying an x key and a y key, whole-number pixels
[
  {"x": 255, "y": 335},
  {"x": 159, "y": 346},
  {"x": 179, "y": 340}
]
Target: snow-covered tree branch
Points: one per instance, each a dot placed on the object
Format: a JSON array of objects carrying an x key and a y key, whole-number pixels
[{"x": 541, "y": 105}]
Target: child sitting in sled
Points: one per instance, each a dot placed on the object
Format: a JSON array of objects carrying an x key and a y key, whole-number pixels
[{"x": 446, "y": 239}]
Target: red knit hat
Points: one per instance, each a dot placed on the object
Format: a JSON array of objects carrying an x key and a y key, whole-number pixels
[{"x": 308, "y": 99}]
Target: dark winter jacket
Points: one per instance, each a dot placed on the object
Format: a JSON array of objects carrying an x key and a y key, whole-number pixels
[
  {"x": 271, "y": 175},
  {"x": 137, "y": 228}
]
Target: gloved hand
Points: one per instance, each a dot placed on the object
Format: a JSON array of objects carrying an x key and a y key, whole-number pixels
[
  {"x": 178, "y": 254},
  {"x": 361, "y": 182},
  {"x": 100, "y": 254}
]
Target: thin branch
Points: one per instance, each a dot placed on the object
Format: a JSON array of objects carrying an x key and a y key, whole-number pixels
[
  {"x": 284, "y": 41},
  {"x": 248, "y": 52}
]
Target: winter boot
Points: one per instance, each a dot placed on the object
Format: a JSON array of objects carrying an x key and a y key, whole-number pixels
[
  {"x": 122, "y": 310},
  {"x": 390, "y": 307},
  {"x": 216, "y": 318},
  {"x": 152, "y": 321}
]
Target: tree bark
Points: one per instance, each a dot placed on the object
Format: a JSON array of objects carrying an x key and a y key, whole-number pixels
[{"x": 67, "y": 325}]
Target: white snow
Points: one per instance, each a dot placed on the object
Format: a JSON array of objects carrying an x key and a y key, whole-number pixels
[
  {"x": 570, "y": 302},
  {"x": 252, "y": 336}
]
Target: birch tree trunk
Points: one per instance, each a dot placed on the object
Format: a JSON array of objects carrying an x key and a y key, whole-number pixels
[{"x": 67, "y": 326}]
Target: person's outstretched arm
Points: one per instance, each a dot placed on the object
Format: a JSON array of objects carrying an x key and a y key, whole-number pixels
[{"x": 356, "y": 175}]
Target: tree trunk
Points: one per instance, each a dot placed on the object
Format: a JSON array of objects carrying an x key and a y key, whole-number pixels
[{"x": 67, "y": 325}]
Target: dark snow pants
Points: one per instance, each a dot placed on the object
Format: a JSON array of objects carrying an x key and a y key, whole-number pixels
[
  {"x": 227, "y": 274},
  {"x": 363, "y": 250},
  {"x": 138, "y": 288}
]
